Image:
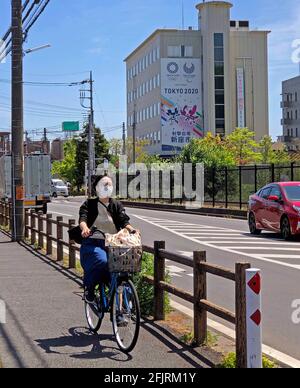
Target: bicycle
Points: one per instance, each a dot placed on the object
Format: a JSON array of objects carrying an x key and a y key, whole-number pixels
[{"x": 120, "y": 299}]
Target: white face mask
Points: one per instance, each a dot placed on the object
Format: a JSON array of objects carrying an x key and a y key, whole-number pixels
[{"x": 104, "y": 191}]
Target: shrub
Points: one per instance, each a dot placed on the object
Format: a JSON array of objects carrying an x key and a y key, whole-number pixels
[
  {"x": 145, "y": 290},
  {"x": 229, "y": 362}
]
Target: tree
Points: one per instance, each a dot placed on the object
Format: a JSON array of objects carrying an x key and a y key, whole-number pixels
[
  {"x": 140, "y": 152},
  {"x": 101, "y": 152},
  {"x": 115, "y": 150},
  {"x": 211, "y": 151},
  {"x": 66, "y": 169},
  {"x": 242, "y": 145},
  {"x": 269, "y": 155}
]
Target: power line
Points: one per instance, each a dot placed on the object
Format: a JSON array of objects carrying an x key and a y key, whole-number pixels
[{"x": 33, "y": 14}]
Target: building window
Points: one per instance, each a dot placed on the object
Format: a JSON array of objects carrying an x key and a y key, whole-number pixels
[
  {"x": 219, "y": 40},
  {"x": 189, "y": 51},
  {"x": 220, "y": 97},
  {"x": 219, "y": 68},
  {"x": 219, "y": 84},
  {"x": 219, "y": 54},
  {"x": 174, "y": 51},
  {"x": 296, "y": 97}
]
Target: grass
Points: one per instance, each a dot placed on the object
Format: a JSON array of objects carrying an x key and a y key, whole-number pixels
[
  {"x": 229, "y": 362},
  {"x": 189, "y": 339}
]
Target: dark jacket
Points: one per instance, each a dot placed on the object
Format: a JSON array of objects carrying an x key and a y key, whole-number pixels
[{"x": 89, "y": 213}]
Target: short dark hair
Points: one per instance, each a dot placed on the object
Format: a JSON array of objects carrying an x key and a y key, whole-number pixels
[{"x": 96, "y": 179}]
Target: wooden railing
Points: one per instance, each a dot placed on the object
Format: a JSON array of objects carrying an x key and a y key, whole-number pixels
[
  {"x": 44, "y": 238},
  {"x": 201, "y": 305}
]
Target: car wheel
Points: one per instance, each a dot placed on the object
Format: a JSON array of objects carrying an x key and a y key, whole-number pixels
[
  {"x": 286, "y": 229},
  {"x": 54, "y": 195},
  {"x": 252, "y": 225}
]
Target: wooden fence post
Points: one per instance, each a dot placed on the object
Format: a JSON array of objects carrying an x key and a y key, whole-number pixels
[
  {"x": 40, "y": 230},
  {"x": 200, "y": 293},
  {"x": 33, "y": 226},
  {"x": 72, "y": 251},
  {"x": 1, "y": 213},
  {"x": 26, "y": 224},
  {"x": 241, "y": 320},
  {"x": 10, "y": 215},
  {"x": 6, "y": 217},
  {"x": 59, "y": 236},
  {"x": 49, "y": 234},
  {"x": 159, "y": 276}
]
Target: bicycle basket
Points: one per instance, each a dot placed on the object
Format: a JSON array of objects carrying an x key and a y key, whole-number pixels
[{"x": 127, "y": 260}]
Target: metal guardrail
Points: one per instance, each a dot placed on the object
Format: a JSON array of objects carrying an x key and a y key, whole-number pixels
[{"x": 35, "y": 233}]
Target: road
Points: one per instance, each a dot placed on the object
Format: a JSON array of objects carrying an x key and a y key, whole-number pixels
[{"x": 226, "y": 242}]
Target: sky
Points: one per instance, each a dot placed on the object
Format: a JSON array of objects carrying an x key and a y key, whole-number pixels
[{"x": 98, "y": 34}]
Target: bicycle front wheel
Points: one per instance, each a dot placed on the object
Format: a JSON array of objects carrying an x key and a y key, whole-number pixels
[{"x": 126, "y": 316}]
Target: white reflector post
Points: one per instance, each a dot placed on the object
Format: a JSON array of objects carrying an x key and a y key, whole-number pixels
[{"x": 254, "y": 318}]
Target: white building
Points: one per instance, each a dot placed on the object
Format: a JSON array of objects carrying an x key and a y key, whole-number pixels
[
  {"x": 182, "y": 84},
  {"x": 291, "y": 114}
]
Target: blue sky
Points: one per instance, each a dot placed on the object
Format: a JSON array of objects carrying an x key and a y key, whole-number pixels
[{"x": 98, "y": 34}]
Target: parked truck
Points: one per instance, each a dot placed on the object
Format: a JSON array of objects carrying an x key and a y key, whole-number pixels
[{"x": 37, "y": 181}]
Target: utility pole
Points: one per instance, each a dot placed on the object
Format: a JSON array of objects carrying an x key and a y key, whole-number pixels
[
  {"x": 17, "y": 165},
  {"x": 91, "y": 129},
  {"x": 124, "y": 139},
  {"x": 45, "y": 142},
  {"x": 92, "y": 155}
]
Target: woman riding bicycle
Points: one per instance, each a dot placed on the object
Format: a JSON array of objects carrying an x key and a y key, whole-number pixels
[{"x": 108, "y": 216}]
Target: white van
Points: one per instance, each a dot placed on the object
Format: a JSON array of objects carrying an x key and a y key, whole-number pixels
[{"x": 59, "y": 188}]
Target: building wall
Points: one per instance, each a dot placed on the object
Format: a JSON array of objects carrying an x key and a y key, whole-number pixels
[
  {"x": 249, "y": 50},
  {"x": 214, "y": 17},
  {"x": 241, "y": 48},
  {"x": 291, "y": 113}
]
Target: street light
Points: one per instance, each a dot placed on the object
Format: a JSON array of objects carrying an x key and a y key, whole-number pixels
[{"x": 33, "y": 50}]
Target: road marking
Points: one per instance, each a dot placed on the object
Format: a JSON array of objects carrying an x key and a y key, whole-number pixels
[
  {"x": 256, "y": 257},
  {"x": 268, "y": 248},
  {"x": 236, "y": 241},
  {"x": 63, "y": 214},
  {"x": 267, "y": 350},
  {"x": 174, "y": 269}
]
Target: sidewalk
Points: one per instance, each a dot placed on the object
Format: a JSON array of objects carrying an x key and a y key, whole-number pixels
[{"x": 46, "y": 325}]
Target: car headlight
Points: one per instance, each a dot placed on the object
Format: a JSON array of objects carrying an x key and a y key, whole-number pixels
[{"x": 297, "y": 208}]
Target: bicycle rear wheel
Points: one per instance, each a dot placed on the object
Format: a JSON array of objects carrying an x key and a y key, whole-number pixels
[{"x": 126, "y": 316}]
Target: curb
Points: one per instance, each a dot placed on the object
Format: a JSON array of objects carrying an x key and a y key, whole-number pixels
[{"x": 215, "y": 212}]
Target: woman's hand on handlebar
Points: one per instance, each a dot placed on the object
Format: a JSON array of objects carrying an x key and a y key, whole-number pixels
[{"x": 86, "y": 232}]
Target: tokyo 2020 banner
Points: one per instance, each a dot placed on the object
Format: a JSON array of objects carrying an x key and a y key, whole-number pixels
[{"x": 181, "y": 103}]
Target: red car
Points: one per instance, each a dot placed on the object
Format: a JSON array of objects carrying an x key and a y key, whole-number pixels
[{"x": 276, "y": 208}]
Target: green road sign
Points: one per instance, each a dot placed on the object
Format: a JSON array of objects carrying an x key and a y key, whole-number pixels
[{"x": 71, "y": 126}]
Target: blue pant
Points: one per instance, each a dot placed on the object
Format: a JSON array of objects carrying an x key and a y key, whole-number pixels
[{"x": 93, "y": 258}]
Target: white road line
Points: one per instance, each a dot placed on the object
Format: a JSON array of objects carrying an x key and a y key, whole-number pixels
[
  {"x": 282, "y": 257},
  {"x": 63, "y": 214},
  {"x": 236, "y": 241},
  {"x": 266, "y": 249},
  {"x": 174, "y": 269},
  {"x": 215, "y": 234},
  {"x": 256, "y": 257},
  {"x": 267, "y": 350}
]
